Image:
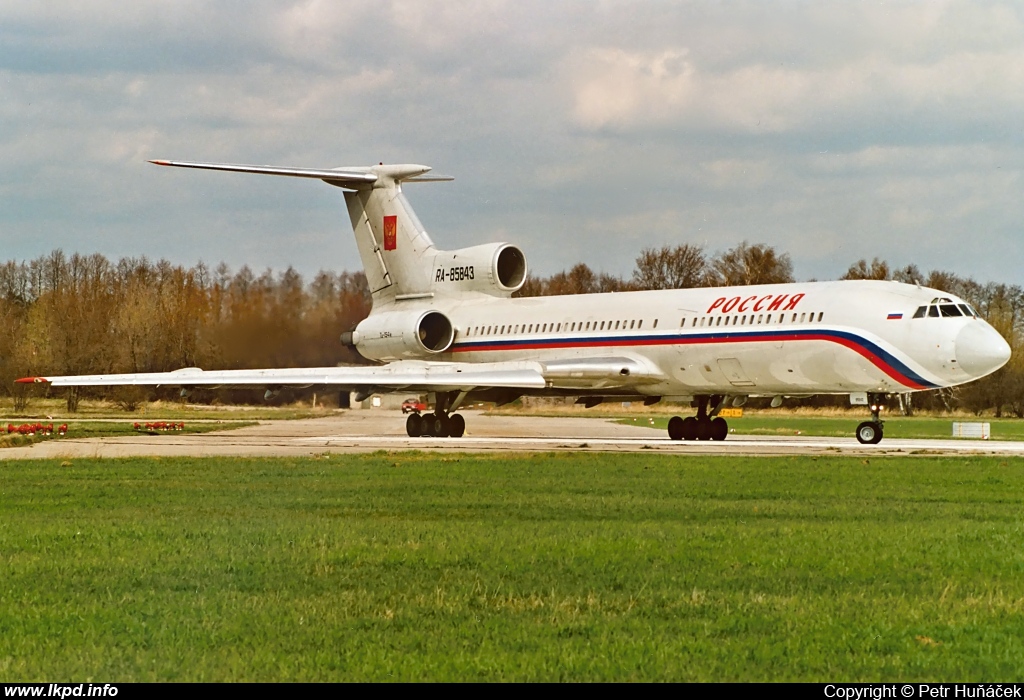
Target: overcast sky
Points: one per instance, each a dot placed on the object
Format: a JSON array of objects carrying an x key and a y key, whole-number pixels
[{"x": 581, "y": 131}]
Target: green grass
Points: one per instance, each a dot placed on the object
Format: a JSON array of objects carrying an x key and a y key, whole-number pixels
[
  {"x": 527, "y": 567},
  {"x": 91, "y": 429},
  {"x": 843, "y": 426},
  {"x": 40, "y": 408}
]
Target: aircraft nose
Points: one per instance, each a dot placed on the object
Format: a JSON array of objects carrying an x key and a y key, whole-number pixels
[{"x": 980, "y": 349}]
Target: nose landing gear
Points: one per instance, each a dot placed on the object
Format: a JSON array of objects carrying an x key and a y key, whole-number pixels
[{"x": 870, "y": 431}]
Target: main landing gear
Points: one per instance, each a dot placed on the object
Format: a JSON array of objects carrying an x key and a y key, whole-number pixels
[
  {"x": 440, "y": 423},
  {"x": 704, "y": 426},
  {"x": 870, "y": 431}
]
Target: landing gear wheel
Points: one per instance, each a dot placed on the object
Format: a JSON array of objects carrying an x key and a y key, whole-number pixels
[
  {"x": 719, "y": 429},
  {"x": 456, "y": 425},
  {"x": 689, "y": 428},
  {"x": 438, "y": 425},
  {"x": 675, "y": 428},
  {"x": 414, "y": 425},
  {"x": 703, "y": 429},
  {"x": 869, "y": 433}
]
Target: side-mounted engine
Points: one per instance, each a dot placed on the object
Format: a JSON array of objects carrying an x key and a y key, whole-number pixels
[
  {"x": 402, "y": 335},
  {"x": 498, "y": 269}
]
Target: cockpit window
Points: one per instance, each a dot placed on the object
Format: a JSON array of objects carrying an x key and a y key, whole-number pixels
[
  {"x": 921, "y": 311},
  {"x": 950, "y": 310},
  {"x": 933, "y": 311},
  {"x": 968, "y": 311}
]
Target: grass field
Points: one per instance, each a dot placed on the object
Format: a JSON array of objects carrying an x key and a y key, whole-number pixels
[
  {"x": 43, "y": 409},
  {"x": 532, "y": 567},
  {"x": 843, "y": 426},
  {"x": 91, "y": 429}
]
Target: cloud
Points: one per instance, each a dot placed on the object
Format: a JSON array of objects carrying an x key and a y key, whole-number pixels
[
  {"x": 623, "y": 91},
  {"x": 579, "y": 130}
]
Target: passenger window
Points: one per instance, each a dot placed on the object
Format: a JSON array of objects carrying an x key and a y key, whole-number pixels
[
  {"x": 933, "y": 312},
  {"x": 682, "y": 322},
  {"x": 559, "y": 329},
  {"x": 949, "y": 310},
  {"x": 820, "y": 315},
  {"x": 794, "y": 319},
  {"x": 802, "y": 316},
  {"x": 640, "y": 324},
  {"x": 655, "y": 323},
  {"x": 616, "y": 325},
  {"x": 718, "y": 321},
  {"x": 632, "y": 324},
  {"x": 693, "y": 323},
  {"x": 921, "y": 311}
]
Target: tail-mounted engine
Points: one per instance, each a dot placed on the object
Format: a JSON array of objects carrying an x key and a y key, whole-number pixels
[
  {"x": 397, "y": 335},
  {"x": 498, "y": 269}
]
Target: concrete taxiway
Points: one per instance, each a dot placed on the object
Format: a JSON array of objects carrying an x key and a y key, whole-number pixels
[{"x": 369, "y": 431}]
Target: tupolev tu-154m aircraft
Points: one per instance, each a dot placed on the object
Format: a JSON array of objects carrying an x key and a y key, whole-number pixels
[{"x": 445, "y": 323}]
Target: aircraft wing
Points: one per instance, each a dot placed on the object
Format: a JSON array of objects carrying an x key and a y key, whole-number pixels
[{"x": 407, "y": 375}]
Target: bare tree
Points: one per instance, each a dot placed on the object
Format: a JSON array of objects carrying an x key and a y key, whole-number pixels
[
  {"x": 752, "y": 264},
  {"x": 861, "y": 270},
  {"x": 682, "y": 267}
]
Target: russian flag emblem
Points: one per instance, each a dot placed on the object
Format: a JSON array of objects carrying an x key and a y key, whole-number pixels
[
  {"x": 894, "y": 317},
  {"x": 390, "y": 232}
]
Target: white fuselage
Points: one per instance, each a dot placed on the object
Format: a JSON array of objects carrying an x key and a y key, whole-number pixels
[{"x": 786, "y": 339}]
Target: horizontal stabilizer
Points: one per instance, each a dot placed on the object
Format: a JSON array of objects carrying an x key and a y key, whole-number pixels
[{"x": 352, "y": 177}]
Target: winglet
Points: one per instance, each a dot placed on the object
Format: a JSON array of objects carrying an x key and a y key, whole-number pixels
[{"x": 31, "y": 380}]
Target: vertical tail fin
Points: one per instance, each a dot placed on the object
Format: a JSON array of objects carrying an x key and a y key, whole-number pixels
[{"x": 396, "y": 251}]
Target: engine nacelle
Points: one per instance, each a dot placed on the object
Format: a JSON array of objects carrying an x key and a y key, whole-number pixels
[
  {"x": 493, "y": 268},
  {"x": 397, "y": 335}
]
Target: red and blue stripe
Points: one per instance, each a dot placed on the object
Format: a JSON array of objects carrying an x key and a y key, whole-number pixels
[{"x": 872, "y": 352}]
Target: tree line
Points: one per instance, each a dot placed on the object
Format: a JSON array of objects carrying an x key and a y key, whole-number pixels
[
  {"x": 78, "y": 314},
  {"x": 82, "y": 314}
]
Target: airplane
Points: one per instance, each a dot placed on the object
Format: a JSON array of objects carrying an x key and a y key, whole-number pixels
[{"x": 445, "y": 322}]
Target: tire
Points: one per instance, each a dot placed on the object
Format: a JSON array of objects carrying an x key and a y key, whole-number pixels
[
  {"x": 689, "y": 428},
  {"x": 703, "y": 429},
  {"x": 675, "y": 428},
  {"x": 719, "y": 429},
  {"x": 439, "y": 425},
  {"x": 456, "y": 425},
  {"x": 869, "y": 433},
  {"x": 414, "y": 425}
]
